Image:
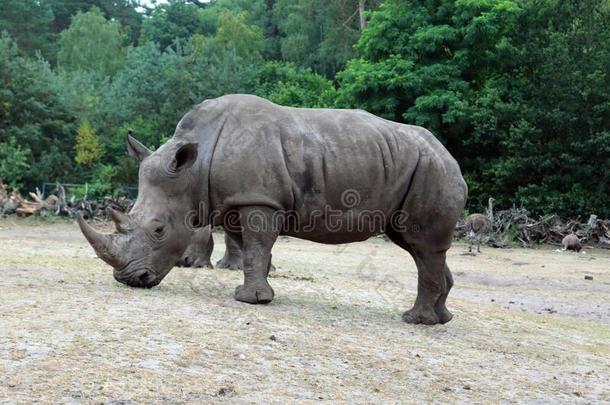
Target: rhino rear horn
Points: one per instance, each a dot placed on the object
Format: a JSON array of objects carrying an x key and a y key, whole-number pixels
[
  {"x": 104, "y": 245},
  {"x": 135, "y": 148},
  {"x": 120, "y": 220}
]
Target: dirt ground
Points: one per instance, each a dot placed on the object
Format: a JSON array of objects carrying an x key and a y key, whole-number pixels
[{"x": 528, "y": 327}]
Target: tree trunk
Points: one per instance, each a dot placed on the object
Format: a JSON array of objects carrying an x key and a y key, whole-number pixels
[{"x": 361, "y": 10}]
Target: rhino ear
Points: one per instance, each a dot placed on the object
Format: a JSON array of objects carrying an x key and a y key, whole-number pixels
[
  {"x": 135, "y": 148},
  {"x": 185, "y": 157}
]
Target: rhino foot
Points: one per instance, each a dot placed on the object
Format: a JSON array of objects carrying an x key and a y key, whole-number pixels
[
  {"x": 195, "y": 262},
  {"x": 255, "y": 293},
  {"x": 230, "y": 264},
  {"x": 443, "y": 314},
  {"x": 235, "y": 265},
  {"x": 416, "y": 315}
]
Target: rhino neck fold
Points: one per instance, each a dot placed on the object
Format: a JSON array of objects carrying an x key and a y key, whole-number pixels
[{"x": 206, "y": 132}]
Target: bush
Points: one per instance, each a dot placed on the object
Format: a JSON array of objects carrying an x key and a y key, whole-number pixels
[
  {"x": 286, "y": 84},
  {"x": 14, "y": 163}
]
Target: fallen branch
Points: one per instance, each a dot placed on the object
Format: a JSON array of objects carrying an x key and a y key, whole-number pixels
[{"x": 517, "y": 225}]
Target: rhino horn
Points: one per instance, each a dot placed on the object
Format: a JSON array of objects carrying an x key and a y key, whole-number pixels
[
  {"x": 120, "y": 220},
  {"x": 104, "y": 245}
]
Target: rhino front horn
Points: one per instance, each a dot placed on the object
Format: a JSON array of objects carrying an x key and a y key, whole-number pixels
[{"x": 103, "y": 245}]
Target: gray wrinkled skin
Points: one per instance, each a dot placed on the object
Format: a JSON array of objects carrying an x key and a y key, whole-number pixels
[{"x": 245, "y": 155}]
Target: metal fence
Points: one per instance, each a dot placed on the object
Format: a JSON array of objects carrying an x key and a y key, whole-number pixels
[{"x": 83, "y": 190}]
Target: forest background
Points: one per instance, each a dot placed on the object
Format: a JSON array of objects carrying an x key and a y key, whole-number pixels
[{"x": 517, "y": 90}]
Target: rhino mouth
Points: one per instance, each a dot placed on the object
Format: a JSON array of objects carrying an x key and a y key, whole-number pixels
[{"x": 144, "y": 278}]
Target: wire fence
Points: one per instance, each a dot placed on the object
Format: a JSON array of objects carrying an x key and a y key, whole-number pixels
[{"x": 74, "y": 190}]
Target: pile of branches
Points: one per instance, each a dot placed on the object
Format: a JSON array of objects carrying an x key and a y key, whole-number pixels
[
  {"x": 57, "y": 204},
  {"x": 516, "y": 225}
]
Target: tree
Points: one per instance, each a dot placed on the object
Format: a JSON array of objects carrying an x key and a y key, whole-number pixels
[
  {"x": 163, "y": 85},
  {"x": 32, "y": 113},
  {"x": 246, "y": 40},
  {"x": 317, "y": 34},
  {"x": 361, "y": 12},
  {"x": 92, "y": 43},
  {"x": 88, "y": 148},
  {"x": 286, "y": 84},
  {"x": 559, "y": 145},
  {"x": 13, "y": 163},
  {"x": 257, "y": 13},
  {"x": 29, "y": 23},
  {"x": 174, "y": 22},
  {"x": 125, "y": 12}
]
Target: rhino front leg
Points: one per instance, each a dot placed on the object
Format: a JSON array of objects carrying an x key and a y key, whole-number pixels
[
  {"x": 199, "y": 251},
  {"x": 232, "y": 258},
  {"x": 258, "y": 236}
]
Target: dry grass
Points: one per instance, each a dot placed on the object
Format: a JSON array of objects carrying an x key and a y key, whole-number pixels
[{"x": 70, "y": 333}]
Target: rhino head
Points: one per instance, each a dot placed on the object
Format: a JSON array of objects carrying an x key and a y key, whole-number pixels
[{"x": 154, "y": 234}]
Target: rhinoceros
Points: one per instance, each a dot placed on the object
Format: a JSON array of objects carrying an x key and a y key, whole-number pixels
[{"x": 262, "y": 170}]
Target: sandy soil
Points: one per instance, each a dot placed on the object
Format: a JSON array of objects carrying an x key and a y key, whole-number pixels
[{"x": 527, "y": 328}]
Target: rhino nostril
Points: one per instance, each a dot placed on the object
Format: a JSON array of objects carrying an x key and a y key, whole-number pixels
[{"x": 145, "y": 279}]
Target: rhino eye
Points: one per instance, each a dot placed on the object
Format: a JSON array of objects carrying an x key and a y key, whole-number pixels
[{"x": 157, "y": 230}]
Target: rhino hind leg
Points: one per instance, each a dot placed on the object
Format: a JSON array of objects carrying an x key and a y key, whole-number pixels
[
  {"x": 257, "y": 239},
  {"x": 440, "y": 308},
  {"x": 434, "y": 281},
  {"x": 432, "y": 290}
]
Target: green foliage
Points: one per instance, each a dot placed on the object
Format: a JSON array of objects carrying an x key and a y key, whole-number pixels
[
  {"x": 14, "y": 163},
  {"x": 88, "y": 148},
  {"x": 125, "y": 171},
  {"x": 164, "y": 85},
  {"x": 82, "y": 93},
  {"x": 420, "y": 64},
  {"x": 173, "y": 22},
  {"x": 29, "y": 23},
  {"x": 91, "y": 43},
  {"x": 318, "y": 34},
  {"x": 125, "y": 12},
  {"x": 233, "y": 32},
  {"x": 103, "y": 183},
  {"x": 257, "y": 13},
  {"x": 32, "y": 113},
  {"x": 560, "y": 145},
  {"x": 286, "y": 84}
]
